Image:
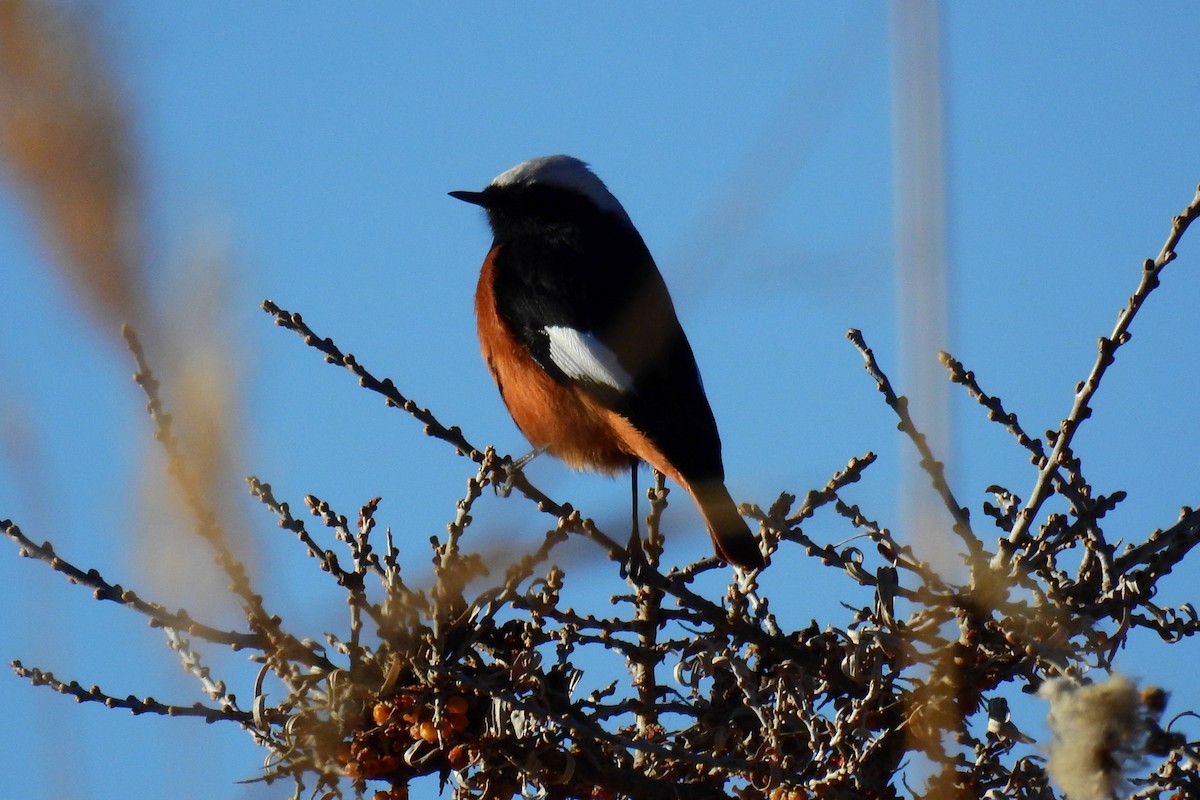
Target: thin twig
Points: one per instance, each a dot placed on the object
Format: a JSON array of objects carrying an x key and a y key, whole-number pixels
[
  {"x": 144, "y": 705},
  {"x": 103, "y": 590},
  {"x": 933, "y": 468},
  {"x": 1080, "y": 408}
]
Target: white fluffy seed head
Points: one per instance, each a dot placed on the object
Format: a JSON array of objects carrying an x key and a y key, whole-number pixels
[{"x": 1098, "y": 730}]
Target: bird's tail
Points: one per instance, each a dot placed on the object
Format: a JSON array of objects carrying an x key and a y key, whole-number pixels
[{"x": 730, "y": 534}]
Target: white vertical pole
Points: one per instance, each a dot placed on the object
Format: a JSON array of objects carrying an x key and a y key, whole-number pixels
[{"x": 922, "y": 271}]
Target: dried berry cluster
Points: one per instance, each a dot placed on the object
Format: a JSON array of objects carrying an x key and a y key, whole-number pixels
[{"x": 405, "y": 725}]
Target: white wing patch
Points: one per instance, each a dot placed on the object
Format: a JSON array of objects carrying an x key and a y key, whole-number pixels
[{"x": 585, "y": 358}]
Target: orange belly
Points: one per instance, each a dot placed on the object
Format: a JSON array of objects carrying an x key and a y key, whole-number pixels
[{"x": 561, "y": 419}]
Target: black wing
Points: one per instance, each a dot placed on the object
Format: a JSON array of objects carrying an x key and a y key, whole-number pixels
[{"x": 601, "y": 280}]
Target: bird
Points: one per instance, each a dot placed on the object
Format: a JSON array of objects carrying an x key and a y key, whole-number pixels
[{"x": 579, "y": 332}]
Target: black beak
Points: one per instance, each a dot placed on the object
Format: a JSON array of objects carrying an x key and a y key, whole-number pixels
[{"x": 474, "y": 198}]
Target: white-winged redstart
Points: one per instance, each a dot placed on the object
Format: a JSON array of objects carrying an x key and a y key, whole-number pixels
[{"x": 579, "y": 332}]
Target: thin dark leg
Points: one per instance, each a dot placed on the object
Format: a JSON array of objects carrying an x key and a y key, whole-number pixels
[
  {"x": 636, "y": 556},
  {"x": 633, "y": 480}
]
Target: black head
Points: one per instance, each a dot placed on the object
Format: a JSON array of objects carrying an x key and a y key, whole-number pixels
[{"x": 550, "y": 191}]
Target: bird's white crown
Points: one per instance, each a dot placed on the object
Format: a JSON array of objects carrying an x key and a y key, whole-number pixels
[{"x": 563, "y": 172}]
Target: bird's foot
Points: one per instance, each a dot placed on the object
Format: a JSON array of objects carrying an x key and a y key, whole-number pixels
[
  {"x": 635, "y": 557},
  {"x": 509, "y": 471}
]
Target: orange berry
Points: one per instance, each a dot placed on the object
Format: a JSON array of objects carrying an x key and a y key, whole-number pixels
[
  {"x": 381, "y": 713},
  {"x": 456, "y": 705},
  {"x": 458, "y": 757}
]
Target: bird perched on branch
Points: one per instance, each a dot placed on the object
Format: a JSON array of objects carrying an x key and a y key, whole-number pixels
[{"x": 579, "y": 332}]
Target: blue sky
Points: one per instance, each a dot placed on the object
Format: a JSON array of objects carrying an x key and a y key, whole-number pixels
[{"x": 305, "y": 155}]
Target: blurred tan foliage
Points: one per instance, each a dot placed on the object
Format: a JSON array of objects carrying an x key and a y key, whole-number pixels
[
  {"x": 69, "y": 151},
  {"x": 66, "y": 143}
]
